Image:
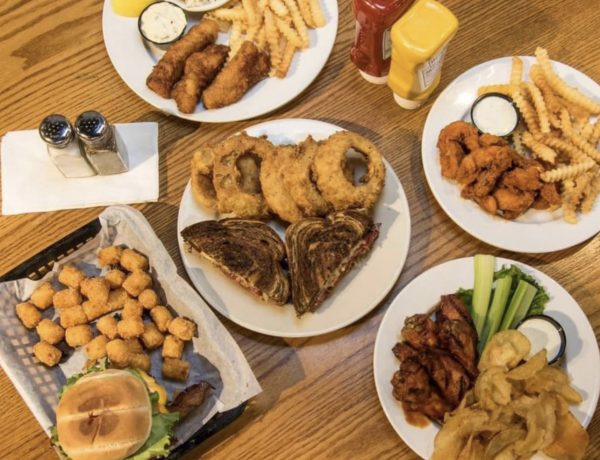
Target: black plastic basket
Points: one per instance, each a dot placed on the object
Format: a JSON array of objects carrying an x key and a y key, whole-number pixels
[{"x": 40, "y": 264}]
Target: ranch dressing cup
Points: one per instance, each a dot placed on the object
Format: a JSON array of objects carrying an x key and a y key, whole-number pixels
[{"x": 419, "y": 42}]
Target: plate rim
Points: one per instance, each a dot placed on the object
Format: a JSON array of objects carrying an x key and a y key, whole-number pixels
[
  {"x": 500, "y": 261},
  {"x": 406, "y": 240},
  {"x": 566, "y": 240},
  {"x": 197, "y": 116}
]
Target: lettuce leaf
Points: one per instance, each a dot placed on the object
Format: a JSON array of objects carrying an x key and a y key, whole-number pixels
[
  {"x": 157, "y": 444},
  {"x": 541, "y": 297}
]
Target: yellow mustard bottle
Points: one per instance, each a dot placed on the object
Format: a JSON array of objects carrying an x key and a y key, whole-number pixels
[
  {"x": 419, "y": 42},
  {"x": 130, "y": 8}
]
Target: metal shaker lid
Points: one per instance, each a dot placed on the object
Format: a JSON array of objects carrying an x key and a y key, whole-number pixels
[
  {"x": 91, "y": 126},
  {"x": 56, "y": 130}
]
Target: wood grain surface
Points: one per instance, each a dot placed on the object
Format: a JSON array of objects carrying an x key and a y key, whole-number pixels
[{"x": 319, "y": 398}]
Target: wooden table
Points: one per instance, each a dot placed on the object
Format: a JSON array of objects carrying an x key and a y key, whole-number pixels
[{"x": 319, "y": 398}]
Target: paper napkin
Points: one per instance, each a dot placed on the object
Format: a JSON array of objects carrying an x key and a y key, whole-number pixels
[{"x": 31, "y": 182}]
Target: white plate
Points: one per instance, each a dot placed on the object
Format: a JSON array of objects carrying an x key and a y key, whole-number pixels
[
  {"x": 582, "y": 359},
  {"x": 133, "y": 60},
  {"x": 206, "y": 5},
  {"x": 357, "y": 294},
  {"x": 535, "y": 231}
]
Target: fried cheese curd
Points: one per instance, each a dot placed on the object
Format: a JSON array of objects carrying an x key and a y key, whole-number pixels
[
  {"x": 175, "y": 369},
  {"x": 132, "y": 260},
  {"x": 71, "y": 276},
  {"x": 47, "y": 354},
  {"x": 78, "y": 336},
  {"x": 162, "y": 317},
  {"x": 182, "y": 328},
  {"x": 107, "y": 325},
  {"x": 110, "y": 255},
  {"x": 50, "y": 332},
  {"x": 152, "y": 337},
  {"x": 96, "y": 348},
  {"x": 137, "y": 282},
  {"x": 42, "y": 296},
  {"x": 172, "y": 347},
  {"x": 28, "y": 314}
]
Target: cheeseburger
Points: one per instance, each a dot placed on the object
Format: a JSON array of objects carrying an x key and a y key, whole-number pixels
[{"x": 112, "y": 415}]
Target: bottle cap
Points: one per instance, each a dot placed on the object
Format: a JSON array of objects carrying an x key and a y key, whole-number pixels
[
  {"x": 373, "y": 79},
  {"x": 408, "y": 104},
  {"x": 56, "y": 130}
]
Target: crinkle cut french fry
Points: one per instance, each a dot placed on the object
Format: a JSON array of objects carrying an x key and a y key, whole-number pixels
[
  {"x": 560, "y": 86},
  {"x": 228, "y": 14},
  {"x": 298, "y": 22},
  {"x": 284, "y": 65},
  {"x": 550, "y": 98},
  {"x": 527, "y": 111},
  {"x": 279, "y": 8},
  {"x": 575, "y": 154},
  {"x": 540, "y": 106},
  {"x": 539, "y": 150},
  {"x": 565, "y": 122},
  {"x": 565, "y": 172},
  {"x": 517, "y": 143},
  {"x": 591, "y": 194},
  {"x": 272, "y": 38},
  {"x": 595, "y": 136},
  {"x": 318, "y": 16},
  {"x": 235, "y": 39},
  {"x": 569, "y": 210},
  {"x": 261, "y": 38},
  {"x": 305, "y": 10},
  {"x": 288, "y": 32},
  {"x": 251, "y": 9},
  {"x": 502, "y": 89},
  {"x": 581, "y": 144},
  {"x": 586, "y": 131},
  {"x": 516, "y": 71}
]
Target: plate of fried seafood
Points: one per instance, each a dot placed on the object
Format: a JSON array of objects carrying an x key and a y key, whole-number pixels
[
  {"x": 451, "y": 390},
  {"x": 282, "y": 227},
  {"x": 232, "y": 63},
  {"x": 534, "y": 190}
]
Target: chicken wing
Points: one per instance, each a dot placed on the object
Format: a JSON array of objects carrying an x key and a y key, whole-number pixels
[
  {"x": 249, "y": 66},
  {"x": 420, "y": 331},
  {"x": 170, "y": 67},
  {"x": 200, "y": 70}
]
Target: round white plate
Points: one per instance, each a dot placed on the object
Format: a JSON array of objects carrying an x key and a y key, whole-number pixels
[
  {"x": 357, "y": 293},
  {"x": 582, "y": 359},
  {"x": 205, "y": 5},
  {"x": 133, "y": 60},
  {"x": 535, "y": 231}
]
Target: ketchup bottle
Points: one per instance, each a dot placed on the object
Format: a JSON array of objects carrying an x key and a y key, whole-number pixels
[{"x": 372, "y": 49}]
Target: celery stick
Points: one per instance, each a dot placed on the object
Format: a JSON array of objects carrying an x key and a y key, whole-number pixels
[
  {"x": 496, "y": 311},
  {"x": 482, "y": 290},
  {"x": 519, "y": 305}
]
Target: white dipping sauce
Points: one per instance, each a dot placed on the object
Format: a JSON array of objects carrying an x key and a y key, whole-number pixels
[
  {"x": 542, "y": 334},
  {"x": 162, "y": 22},
  {"x": 495, "y": 115}
]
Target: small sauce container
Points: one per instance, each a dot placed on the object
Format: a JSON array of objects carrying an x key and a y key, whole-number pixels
[
  {"x": 495, "y": 113},
  {"x": 162, "y": 23},
  {"x": 544, "y": 332}
]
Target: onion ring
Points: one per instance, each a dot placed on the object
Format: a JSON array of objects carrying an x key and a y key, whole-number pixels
[
  {"x": 329, "y": 166},
  {"x": 298, "y": 180},
  {"x": 203, "y": 189},
  {"x": 233, "y": 196},
  {"x": 276, "y": 194}
]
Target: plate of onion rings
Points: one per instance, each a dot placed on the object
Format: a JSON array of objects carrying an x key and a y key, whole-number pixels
[
  {"x": 362, "y": 288},
  {"x": 534, "y": 231}
]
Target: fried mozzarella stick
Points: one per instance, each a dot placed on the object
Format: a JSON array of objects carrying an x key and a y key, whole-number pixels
[
  {"x": 200, "y": 70},
  {"x": 170, "y": 67},
  {"x": 244, "y": 70}
]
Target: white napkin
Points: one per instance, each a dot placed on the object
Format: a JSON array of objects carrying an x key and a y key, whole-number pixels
[{"x": 31, "y": 182}]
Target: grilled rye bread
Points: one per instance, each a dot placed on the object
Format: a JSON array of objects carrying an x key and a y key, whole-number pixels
[
  {"x": 248, "y": 251},
  {"x": 321, "y": 251}
]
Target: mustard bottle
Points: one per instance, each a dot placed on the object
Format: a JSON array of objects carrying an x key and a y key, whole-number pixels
[{"x": 419, "y": 42}]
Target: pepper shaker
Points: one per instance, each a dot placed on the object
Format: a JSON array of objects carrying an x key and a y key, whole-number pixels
[
  {"x": 101, "y": 143},
  {"x": 63, "y": 149}
]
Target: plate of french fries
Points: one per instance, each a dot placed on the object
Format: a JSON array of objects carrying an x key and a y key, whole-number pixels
[
  {"x": 558, "y": 130},
  {"x": 296, "y": 35}
]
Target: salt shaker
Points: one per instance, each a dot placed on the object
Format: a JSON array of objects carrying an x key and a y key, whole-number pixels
[
  {"x": 101, "y": 143},
  {"x": 63, "y": 149}
]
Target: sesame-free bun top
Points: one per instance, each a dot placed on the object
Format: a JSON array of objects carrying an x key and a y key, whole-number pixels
[{"x": 105, "y": 416}]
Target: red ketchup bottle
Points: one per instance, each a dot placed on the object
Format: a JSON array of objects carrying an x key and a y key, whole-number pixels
[{"x": 372, "y": 49}]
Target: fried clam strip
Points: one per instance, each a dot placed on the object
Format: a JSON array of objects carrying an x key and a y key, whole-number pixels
[
  {"x": 171, "y": 66},
  {"x": 559, "y": 86},
  {"x": 200, "y": 69}
]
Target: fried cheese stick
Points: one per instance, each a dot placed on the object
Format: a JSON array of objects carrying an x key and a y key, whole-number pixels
[
  {"x": 200, "y": 70},
  {"x": 249, "y": 66},
  {"x": 170, "y": 67}
]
